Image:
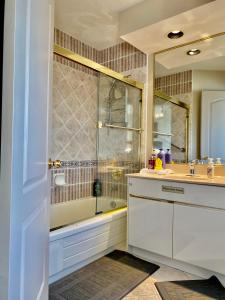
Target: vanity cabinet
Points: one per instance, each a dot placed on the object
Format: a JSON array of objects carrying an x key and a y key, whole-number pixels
[
  {"x": 182, "y": 221},
  {"x": 150, "y": 225},
  {"x": 199, "y": 236}
]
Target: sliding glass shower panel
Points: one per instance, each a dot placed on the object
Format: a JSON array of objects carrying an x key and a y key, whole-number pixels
[{"x": 118, "y": 140}]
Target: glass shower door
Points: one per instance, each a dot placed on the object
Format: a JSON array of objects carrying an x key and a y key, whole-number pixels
[{"x": 118, "y": 151}]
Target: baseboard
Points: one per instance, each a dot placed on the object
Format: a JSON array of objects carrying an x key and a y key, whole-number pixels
[{"x": 182, "y": 266}]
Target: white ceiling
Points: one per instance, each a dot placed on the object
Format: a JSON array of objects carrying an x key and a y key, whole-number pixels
[
  {"x": 95, "y": 22},
  {"x": 212, "y": 57},
  {"x": 196, "y": 23}
]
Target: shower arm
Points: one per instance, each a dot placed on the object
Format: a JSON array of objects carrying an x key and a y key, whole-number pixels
[{"x": 181, "y": 149}]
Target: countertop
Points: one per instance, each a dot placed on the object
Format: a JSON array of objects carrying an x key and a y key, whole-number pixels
[{"x": 184, "y": 178}]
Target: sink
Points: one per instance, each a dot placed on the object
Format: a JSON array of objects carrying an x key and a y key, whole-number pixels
[{"x": 189, "y": 176}]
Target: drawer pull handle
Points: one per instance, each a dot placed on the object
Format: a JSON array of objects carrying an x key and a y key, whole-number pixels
[{"x": 172, "y": 189}]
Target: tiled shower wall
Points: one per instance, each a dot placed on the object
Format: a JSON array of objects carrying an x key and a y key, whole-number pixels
[
  {"x": 120, "y": 58},
  {"x": 79, "y": 177},
  {"x": 75, "y": 116}
]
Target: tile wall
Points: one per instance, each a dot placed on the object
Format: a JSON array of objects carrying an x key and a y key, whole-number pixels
[
  {"x": 120, "y": 58},
  {"x": 80, "y": 175},
  {"x": 74, "y": 121},
  {"x": 175, "y": 84},
  {"x": 74, "y": 114}
]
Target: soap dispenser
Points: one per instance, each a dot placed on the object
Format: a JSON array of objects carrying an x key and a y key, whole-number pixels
[{"x": 210, "y": 168}]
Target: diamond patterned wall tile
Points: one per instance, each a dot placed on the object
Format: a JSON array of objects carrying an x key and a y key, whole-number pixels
[{"x": 74, "y": 114}]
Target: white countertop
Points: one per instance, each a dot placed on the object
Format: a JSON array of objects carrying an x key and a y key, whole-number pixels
[{"x": 196, "y": 179}]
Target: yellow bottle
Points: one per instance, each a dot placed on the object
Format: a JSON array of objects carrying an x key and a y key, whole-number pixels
[{"x": 158, "y": 164}]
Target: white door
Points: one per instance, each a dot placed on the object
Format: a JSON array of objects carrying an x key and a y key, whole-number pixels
[
  {"x": 213, "y": 124},
  {"x": 31, "y": 85},
  {"x": 198, "y": 237},
  {"x": 150, "y": 225}
]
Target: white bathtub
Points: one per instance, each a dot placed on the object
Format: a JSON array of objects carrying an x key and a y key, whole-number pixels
[
  {"x": 81, "y": 209},
  {"x": 77, "y": 245}
]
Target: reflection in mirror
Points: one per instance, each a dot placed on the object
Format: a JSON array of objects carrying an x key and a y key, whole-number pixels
[{"x": 189, "y": 102}]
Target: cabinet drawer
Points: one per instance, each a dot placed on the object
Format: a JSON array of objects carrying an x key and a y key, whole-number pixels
[
  {"x": 198, "y": 237},
  {"x": 150, "y": 225},
  {"x": 196, "y": 194}
]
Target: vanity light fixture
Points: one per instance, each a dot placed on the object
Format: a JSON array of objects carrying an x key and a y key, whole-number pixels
[
  {"x": 193, "y": 52},
  {"x": 175, "y": 34}
]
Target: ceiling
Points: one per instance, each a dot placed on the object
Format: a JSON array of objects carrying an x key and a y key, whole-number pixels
[
  {"x": 212, "y": 57},
  {"x": 196, "y": 23},
  {"x": 94, "y": 22}
]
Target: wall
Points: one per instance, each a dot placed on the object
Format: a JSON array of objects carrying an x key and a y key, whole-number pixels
[
  {"x": 74, "y": 113},
  {"x": 203, "y": 80},
  {"x": 75, "y": 97}
]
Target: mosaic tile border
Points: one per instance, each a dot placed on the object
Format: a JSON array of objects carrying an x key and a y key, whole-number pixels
[
  {"x": 83, "y": 163},
  {"x": 80, "y": 175}
]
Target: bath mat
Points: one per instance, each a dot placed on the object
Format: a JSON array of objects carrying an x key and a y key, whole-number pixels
[
  {"x": 208, "y": 289},
  {"x": 110, "y": 278}
]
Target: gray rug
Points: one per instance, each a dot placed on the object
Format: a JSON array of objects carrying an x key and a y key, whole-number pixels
[
  {"x": 209, "y": 289},
  {"x": 109, "y": 278}
]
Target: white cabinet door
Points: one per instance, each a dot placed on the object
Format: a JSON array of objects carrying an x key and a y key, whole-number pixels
[
  {"x": 198, "y": 237},
  {"x": 150, "y": 225}
]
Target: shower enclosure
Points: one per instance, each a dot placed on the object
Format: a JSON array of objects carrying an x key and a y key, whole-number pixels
[
  {"x": 171, "y": 126},
  {"x": 95, "y": 138}
]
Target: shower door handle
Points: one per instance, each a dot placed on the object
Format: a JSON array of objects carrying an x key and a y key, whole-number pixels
[{"x": 54, "y": 164}]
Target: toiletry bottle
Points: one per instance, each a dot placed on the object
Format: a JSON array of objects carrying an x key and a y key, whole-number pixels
[
  {"x": 210, "y": 168},
  {"x": 168, "y": 157},
  {"x": 192, "y": 168},
  {"x": 97, "y": 188},
  {"x": 152, "y": 161},
  {"x": 158, "y": 164},
  {"x": 161, "y": 155}
]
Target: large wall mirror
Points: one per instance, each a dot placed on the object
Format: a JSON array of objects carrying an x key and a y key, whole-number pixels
[{"x": 189, "y": 102}]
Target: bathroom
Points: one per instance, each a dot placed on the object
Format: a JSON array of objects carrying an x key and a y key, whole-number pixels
[{"x": 118, "y": 134}]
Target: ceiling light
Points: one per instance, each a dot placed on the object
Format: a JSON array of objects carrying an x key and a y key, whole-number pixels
[
  {"x": 193, "y": 52},
  {"x": 175, "y": 34}
]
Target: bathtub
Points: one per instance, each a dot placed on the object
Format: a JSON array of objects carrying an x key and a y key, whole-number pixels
[
  {"x": 76, "y": 245},
  {"x": 70, "y": 212}
]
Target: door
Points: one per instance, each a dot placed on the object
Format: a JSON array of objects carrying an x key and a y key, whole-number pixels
[
  {"x": 31, "y": 85},
  {"x": 150, "y": 225},
  {"x": 198, "y": 237},
  {"x": 213, "y": 123},
  {"x": 118, "y": 145}
]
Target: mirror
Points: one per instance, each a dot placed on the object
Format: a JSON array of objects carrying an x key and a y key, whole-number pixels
[{"x": 189, "y": 102}]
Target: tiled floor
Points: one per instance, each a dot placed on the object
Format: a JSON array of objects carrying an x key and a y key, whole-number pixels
[{"x": 147, "y": 290}]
